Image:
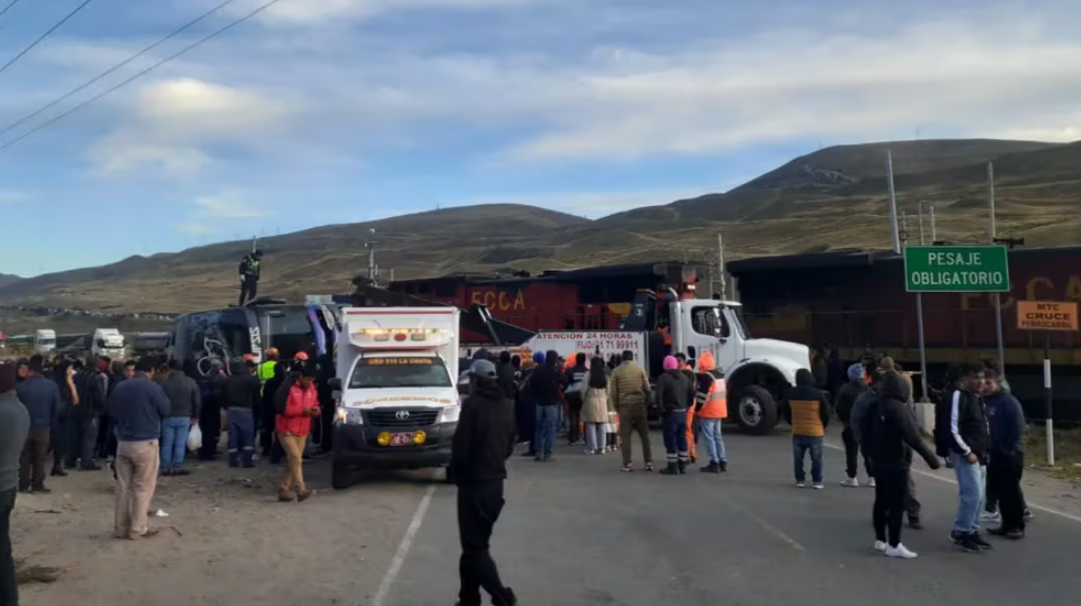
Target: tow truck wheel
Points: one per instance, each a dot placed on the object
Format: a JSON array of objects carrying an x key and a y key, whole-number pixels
[
  {"x": 756, "y": 410},
  {"x": 339, "y": 476}
]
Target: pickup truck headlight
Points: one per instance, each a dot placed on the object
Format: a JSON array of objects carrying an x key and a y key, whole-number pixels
[
  {"x": 450, "y": 414},
  {"x": 349, "y": 416}
]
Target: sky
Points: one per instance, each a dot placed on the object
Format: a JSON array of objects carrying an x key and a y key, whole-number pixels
[{"x": 336, "y": 111}]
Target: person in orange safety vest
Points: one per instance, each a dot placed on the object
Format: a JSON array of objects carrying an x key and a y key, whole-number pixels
[
  {"x": 711, "y": 404},
  {"x": 692, "y": 427}
]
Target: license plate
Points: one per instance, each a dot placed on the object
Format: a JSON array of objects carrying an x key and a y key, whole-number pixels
[{"x": 401, "y": 439}]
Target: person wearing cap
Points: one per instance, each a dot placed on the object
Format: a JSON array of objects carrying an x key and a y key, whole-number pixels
[
  {"x": 482, "y": 443},
  {"x": 674, "y": 395},
  {"x": 14, "y": 429},
  {"x": 293, "y": 426},
  {"x": 843, "y": 404}
]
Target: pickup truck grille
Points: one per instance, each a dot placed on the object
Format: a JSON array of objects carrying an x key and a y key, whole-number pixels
[{"x": 389, "y": 417}]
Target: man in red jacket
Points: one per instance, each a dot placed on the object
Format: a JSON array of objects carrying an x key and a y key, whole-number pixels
[{"x": 293, "y": 425}]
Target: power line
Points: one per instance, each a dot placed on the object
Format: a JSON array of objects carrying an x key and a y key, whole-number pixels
[
  {"x": 8, "y": 7},
  {"x": 124, "y": 83},
  {"x": 112, "y": 69},
  {"x": 52, "y": 29}
]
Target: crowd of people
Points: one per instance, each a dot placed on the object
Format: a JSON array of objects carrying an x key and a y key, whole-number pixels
[{"x": 60, "y": 414}]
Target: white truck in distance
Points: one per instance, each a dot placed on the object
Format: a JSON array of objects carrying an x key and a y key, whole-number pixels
[
  {"x": 758, "y": 371},
  {"x": 44, "y": 341},
  {"x": 107, "y": 342},
  {"x": 395, "y": 386}
]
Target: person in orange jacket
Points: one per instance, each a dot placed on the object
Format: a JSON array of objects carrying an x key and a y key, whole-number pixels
[
  {"x": 711, "y": 404},
  {"x": 692, "y": 428}
]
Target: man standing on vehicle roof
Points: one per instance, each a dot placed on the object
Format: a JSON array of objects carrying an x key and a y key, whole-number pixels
[
  {"x": 249, "y": 271},
  {"x": 482, "y": 443}
]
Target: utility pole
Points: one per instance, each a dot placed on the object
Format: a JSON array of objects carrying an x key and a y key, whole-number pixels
[
  {"x": 720, "y": 266},
  {"x": 369, "y": 243},
  {"x": 254, "y": 243},
  {"x": 893, "y": 204},
  {"x": 934, "y": 233},
  {"x": 921, "y": 222},
  {"x": 997, "y": 296}
]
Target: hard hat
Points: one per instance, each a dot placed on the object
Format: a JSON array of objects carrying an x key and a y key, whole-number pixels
[{"x": 302, "y": 356}]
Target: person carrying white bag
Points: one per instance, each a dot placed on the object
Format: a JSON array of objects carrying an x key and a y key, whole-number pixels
[{"x": 177, "y": 430}]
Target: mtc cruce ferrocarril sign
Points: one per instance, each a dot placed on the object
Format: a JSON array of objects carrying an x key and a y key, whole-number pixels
[
  {"x": 1046, "y": 315},
  {"x": 956, "y": 269}
]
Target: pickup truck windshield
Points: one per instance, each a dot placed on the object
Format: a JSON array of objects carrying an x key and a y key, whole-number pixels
[{"x": 400, "y": 372}]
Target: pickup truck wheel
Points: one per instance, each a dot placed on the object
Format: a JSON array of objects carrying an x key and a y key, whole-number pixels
[
  {"x": 756, "y": 410},
  {"x": 340, "y": 478}
]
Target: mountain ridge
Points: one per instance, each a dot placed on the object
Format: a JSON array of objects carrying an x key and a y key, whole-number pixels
[{"x": 829, "y": 198}]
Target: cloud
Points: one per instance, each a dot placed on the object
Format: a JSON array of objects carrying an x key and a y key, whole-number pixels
[
  {"x": 229, "y": 205},
  {"x": 176, "y": 120},
  {"x": 8, "y": 196},
  {"x": 954, "y": 78},
  {"x": 317, "y": 12}
]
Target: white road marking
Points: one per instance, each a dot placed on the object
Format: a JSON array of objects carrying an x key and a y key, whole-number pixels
[
  {"x": 764, "y": 524},
  {"x": 403, "y": 549},
  {"x": 928, "y": 474}
]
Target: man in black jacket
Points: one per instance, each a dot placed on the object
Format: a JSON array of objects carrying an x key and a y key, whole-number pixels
[
  {"x": 674, "y": 395},
  {"x": 83, "y": 419},
  {"x": 961, "y": 434},
  {"x": 889, "y": 435},
  {"x": 240, "y": 393},
  {"x": 507, "y": 380},
  {"x": 543, "y": 388},
  {"x": 1006, "y": 421},
  {"x": 482, "y": 443},
  {"x": 843, "y": 404}
]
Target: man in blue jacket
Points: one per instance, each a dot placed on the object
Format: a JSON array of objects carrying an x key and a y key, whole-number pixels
[
  {"x": 1006, "y": 421},
  {"x": 42, "y": 400},
  {"x": 138, "y": 406}
]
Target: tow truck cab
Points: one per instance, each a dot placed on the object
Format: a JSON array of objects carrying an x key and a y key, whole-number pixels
[{"x": 397, "y": 404}]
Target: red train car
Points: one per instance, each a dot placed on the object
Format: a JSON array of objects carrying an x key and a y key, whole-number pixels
[
  {"x": 851, "y": 300},
  {"x": 583, "y": 299}
]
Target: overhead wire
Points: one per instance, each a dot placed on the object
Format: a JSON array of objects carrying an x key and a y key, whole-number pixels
[
  {"x": 3, "y": 11},
  {"x": 47, "y": 33},
  {"x": 140, "y": 74},
  {"x": 113, "y": 69}
]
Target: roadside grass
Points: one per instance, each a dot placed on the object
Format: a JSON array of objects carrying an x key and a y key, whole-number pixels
[{"x": 1067, "y": 452}]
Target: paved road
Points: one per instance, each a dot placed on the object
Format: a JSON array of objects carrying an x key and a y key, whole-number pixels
[{"x": 579, "y": 532}]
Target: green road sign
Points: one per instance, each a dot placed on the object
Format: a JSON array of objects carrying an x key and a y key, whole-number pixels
[{"x": 956, "y": 269}]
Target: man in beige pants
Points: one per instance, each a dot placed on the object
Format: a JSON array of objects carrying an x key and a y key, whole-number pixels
[{"x": 138, "y": 406}]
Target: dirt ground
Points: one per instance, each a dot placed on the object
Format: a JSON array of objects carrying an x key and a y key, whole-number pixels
[{"x": 226, "y": 540}]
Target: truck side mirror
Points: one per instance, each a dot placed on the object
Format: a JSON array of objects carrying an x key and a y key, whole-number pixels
[{"x": 335, "y": 384}]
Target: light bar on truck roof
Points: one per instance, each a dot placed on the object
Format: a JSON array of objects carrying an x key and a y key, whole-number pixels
[{"x": 398, "y": 334}]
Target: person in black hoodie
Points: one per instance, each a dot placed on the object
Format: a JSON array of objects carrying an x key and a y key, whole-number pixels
[
  {"x": 1006, "y": 421},
  {"x": 961, "y": 434},
  {"x": 506, "y": 370},
  {"x": 83, "y": 418},
  {"x": 543, "y": 388},
  {"x": 674, "y": 394},
  {"x": 889, "y": 435},
  {"x": 268, "y": 414},
  {"x": 482, "y": 443},
  {"x": 846, "y": 399}
]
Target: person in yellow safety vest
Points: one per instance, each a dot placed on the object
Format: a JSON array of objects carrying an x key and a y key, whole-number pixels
[
  {"x": 692, "y": 427},
  {"x": 266, "y": 369},
  {"x": 711, "y": 404}
]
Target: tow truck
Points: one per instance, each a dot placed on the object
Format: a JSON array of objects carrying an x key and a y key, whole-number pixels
[{"x": 397, "y": 401}]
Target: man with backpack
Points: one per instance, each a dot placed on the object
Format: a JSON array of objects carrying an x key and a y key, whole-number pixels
[{"x": 961, "y": 435}]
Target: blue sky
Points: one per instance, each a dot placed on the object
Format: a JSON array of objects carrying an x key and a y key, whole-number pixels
[{"x": 336, "y": 111}]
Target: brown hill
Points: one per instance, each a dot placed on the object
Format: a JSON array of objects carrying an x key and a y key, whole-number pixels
[
  {"x": 832, "y": 198},
  {"x": 6, "y": 279}
]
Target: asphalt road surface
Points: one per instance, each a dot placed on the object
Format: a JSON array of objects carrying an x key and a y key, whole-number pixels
[{"x": 579, "y": 532}]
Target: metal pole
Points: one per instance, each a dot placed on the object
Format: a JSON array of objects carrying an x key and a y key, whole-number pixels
[
  {"x": 720, "y": 266},
  {"x": 997, "y": 296},
  {"x": 893, "y": 204},
  {"x": 919, "y": 328},
  {"x": 1049, "y": 423},
  {"x": 934, "y": 232}
]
